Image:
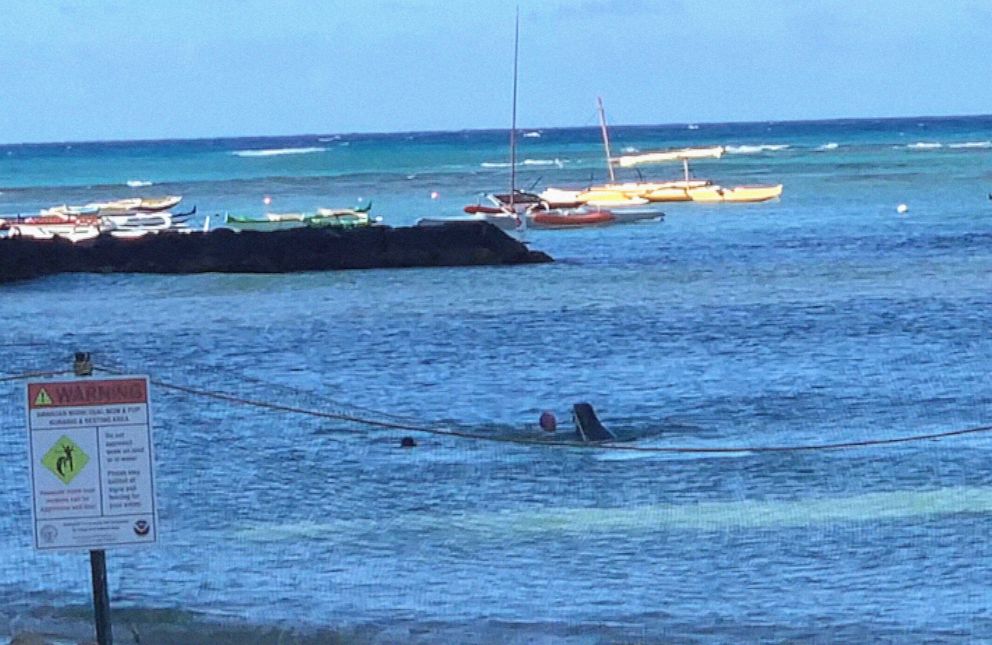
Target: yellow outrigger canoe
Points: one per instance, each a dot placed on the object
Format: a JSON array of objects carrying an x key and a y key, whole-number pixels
[{"x": 686, "y": 189}]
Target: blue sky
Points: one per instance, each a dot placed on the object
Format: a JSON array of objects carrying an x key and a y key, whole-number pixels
[{"x": 125, "y": 69}]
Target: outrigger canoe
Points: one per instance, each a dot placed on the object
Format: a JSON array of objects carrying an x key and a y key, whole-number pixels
[
  {"x": 118, "y": 206},
  {"x": 323, "y": 218},
  {"x": 686, "y": 189}
]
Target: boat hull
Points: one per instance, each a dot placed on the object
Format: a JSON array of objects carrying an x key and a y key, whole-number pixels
[
  {"x": 564, "y": 220},
  {"x": 505, "y": 222},
  {"x": 737, "y": 194}
]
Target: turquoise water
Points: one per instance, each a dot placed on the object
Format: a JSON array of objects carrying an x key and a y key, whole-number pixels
[{"x": 824, "y": 316}]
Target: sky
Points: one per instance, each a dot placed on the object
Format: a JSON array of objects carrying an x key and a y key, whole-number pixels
[{"x": 78, "y": 70}]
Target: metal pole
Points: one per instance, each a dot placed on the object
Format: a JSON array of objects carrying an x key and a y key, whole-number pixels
[
  {"x": 513, "y": 123},
  {"x": 606, "y": 138},
  {"x": 83, "y": 366},
  {"x": 101, "y": 598}
]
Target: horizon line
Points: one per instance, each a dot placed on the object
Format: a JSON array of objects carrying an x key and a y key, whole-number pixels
[{"x": 480, "y": 130}]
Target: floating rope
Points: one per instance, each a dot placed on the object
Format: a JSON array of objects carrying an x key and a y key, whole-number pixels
[
  {"x": 27, "y": 375},
  {"x": 397, "y": 425}
]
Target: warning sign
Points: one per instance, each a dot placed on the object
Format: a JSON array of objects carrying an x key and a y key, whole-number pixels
[{"x": 90, "y": 446}]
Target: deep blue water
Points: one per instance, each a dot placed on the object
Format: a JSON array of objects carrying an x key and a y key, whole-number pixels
[{"x": 821, "y": 317}]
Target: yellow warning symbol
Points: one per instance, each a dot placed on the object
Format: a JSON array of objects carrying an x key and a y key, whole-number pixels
[
  {"x": 65, "y": 459},
  {"x": 42, "y": 398}
]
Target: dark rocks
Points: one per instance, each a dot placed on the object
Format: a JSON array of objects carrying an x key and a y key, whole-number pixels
[
  {"x": 304, "y": 249},
  {"x": 28, "y": 638}
]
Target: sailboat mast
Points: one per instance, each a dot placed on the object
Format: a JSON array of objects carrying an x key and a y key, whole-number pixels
[
  {"x": 513, "y": 126},
  {"x": 606, "y": 138}
]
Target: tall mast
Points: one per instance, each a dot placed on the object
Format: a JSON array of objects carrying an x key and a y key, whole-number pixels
[
  {"x": 606, "y": 138},
  {"x": 513, "y": 127}
]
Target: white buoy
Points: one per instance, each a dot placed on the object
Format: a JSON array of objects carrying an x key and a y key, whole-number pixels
[{"x": 902, "y": 208}]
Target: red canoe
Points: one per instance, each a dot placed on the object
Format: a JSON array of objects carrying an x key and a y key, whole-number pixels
[{"x": 559, "y": 219}]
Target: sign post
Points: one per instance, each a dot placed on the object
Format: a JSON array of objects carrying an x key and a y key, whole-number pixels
[{"x": 92, "y": 482}]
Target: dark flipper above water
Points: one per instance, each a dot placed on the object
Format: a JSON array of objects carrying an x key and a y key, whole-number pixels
[
  {"x": 587, "y": 424},
  {"x": 179, "y": 217}
]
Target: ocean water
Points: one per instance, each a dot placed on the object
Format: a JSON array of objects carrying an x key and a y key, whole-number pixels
[{"x": 825, "y": 316}]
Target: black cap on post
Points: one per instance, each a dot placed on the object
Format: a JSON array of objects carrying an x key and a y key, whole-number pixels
[{"x": 82, "y": 365}]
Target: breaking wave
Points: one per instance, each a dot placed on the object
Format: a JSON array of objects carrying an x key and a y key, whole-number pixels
[
  {"x": 971, "y": 144},
  {"x": 750, "y": 150},
  {"x": 829, "y": 146},
  {"x": 138, "y": 183},
  {"x": 924, "y": 145},
  {"x": 525, "y": 162},
  {"x": 273, "y": 152}
]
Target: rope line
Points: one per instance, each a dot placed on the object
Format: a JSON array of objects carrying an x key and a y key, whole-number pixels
[
  {"x": 326, "y": 401},
  {"x": 27, "y": 375},
  {"x": 391, "y": 425}
]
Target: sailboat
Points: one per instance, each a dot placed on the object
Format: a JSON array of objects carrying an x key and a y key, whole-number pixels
[
  {"x": 696, "y": 190},
  {"x": 518, "y": 210},
  {"x": 679, "y": 190}
]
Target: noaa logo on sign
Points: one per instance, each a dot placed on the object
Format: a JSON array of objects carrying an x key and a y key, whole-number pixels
[{"x": 141, "y": 527}]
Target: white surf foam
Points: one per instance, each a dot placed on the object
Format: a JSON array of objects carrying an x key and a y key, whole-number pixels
[
  {"x": 336, "y": 137},
  {"x": 829, "y": 146},
  {"x": 692, "y": 126},
  {"x": 630, "y": 149},
  {"x": 525, "y": 162},
  {"x": 542, "y": 162},
  {"x": 532, "y": 135},
  {"x": 138, "y": 183},
  {"x": 869, "y": 508},
  {"x": 971, "y": 144},
  {"x": 866, "y": 507},
  {"x": 925, "y": 145},
  {"x": 755, "y": 149},
  {"x": 273, "y": 152}
]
